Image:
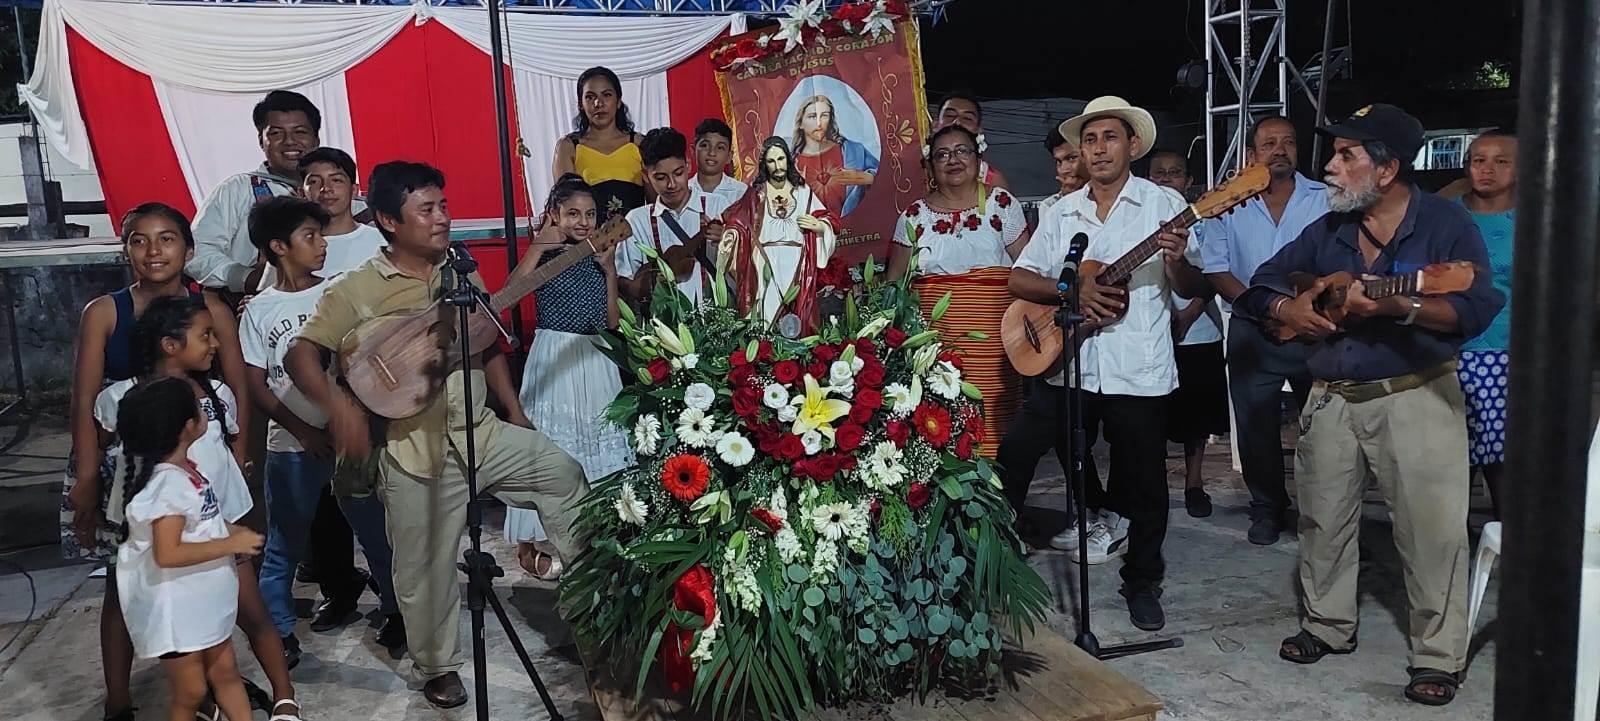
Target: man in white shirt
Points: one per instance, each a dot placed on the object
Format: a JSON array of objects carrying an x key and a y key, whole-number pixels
[
  {"x": 288, "y": 127},
  {"x": 1200, "y": 405},
  {"x": 681, "y": 225},
  {"x": 713, "y": 147},
  {"x": 1127, "y": 364},
  {"x": 329, "y": 179}
]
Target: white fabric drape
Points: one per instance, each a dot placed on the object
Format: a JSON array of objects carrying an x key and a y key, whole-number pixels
[
  {"x": 546, "y": 105},
  {"x": 210, "y": 151},
  {"x": 566, "y": 45}
]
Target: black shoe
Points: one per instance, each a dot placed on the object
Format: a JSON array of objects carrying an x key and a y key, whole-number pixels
[
  {"x": 1144, "y": 607},
  {"x": 291, "y": 651},
  {"x": 1197, "y": 502},
  {"x": 335, "y": 613},
  {"x": 393, "y": 633},
  {"x": 445, "y": 691},
  {"x": 260, "y": 700},
  {"x": 1264, "y": 531},
  {"x": 302, "y": 573},
  {"x": 123, "y": 715}
]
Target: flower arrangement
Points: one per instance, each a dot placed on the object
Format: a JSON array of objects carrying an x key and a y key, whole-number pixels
[
  {"x": 809, "y": 521},
  {"x": 806, "y": 21}
]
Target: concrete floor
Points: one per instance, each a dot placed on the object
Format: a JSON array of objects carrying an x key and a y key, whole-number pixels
[{"x": 1229, "y": 601}]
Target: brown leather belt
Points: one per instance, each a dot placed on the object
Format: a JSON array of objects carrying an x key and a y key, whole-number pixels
[{"x": 1363, "y": 391}]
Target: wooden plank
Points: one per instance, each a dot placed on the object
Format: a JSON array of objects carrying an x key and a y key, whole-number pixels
[
  {"x": 1000, "y": 706},
  {"x": 1117, "y": 697},
  {"x": 1035, "y": 678}
]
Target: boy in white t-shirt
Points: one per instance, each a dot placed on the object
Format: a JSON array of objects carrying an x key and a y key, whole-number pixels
[
  {"x": 330, "y": 181},
  {"x": 300, "y": 460},
  {"x": 713, "y": 148}
]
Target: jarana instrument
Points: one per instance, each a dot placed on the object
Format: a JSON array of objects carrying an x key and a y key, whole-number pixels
[{"x": 1434, "y": 279}]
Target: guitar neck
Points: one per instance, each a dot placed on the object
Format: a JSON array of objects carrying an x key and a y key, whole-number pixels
[
  {"x": 1389, "y": 285},
  {"x": 1121, "y": 270},
  {"x": 518, "y": 288}
]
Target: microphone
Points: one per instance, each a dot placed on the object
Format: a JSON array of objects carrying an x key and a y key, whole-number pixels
[
  {"x": 1069, "y": 271},
  {"x": 461, "y": 259}
]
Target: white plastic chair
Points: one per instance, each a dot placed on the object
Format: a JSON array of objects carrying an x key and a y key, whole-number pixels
[{"x": 1482, "y": 566}]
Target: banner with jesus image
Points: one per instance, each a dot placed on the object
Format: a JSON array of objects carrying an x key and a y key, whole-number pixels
[{"x": 853, "y": 112}]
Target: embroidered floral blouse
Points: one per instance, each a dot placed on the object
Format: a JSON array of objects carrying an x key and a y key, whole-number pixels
[{"x": 957, "y": 242}]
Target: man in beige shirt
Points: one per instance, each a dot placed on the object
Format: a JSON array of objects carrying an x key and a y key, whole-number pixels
[{"x": 422, "y": 465}]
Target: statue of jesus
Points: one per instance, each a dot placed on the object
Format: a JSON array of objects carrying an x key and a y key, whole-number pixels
[{"x": 778, "y": 238}]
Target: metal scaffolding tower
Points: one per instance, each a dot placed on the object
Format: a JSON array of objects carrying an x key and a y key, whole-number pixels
[{"x": 1237, "y": 58}]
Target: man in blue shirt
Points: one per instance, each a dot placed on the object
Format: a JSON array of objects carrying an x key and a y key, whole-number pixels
[
  {"x": 1385, "y": 400},
  {"x": 1233, "y": 247}
]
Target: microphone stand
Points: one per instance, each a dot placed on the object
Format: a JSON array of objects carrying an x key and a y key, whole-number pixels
[
  {"x": 1070, "y": 319},
  {"x": 481, "y": 568}
]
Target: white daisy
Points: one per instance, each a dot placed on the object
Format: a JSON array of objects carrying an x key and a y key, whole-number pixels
[
  {"x": 885, "y": 451},
  {"x": 700, "y": 396},
  {"x": 812, "y": 441},
  {"x": 696, "y": 428},
  {"x": 631, "y": 508},
  {"x": 647, "y": 434},
  {"x": 945, "y": 379},
  {"x": 899, "y": 398},
  {"x": 831, "y": 519},
  {"x": 775, "y": 396},
  {"x": 735, "y": 450}
]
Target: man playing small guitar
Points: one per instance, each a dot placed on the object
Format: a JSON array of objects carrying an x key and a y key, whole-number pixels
[
  {"x": 421, "y": 477},
  {"x": 1385, "y": 400},
  {"x": 1128, "y": 367}
]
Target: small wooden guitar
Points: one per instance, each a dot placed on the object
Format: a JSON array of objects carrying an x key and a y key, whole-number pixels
[
  {"x": 395, "y": 364},
  {"x": 1033, "y": 341},
  {"x": 1435, "y": 279}
]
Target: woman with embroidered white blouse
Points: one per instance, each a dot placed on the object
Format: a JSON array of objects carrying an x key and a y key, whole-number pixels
[{"x": 961, "y": 239}]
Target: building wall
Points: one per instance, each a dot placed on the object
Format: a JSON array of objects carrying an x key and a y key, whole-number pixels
[{"x": 76, "y": 183}]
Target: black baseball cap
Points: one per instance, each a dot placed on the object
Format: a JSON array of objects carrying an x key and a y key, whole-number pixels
[{"x": 1382, "y": 122}]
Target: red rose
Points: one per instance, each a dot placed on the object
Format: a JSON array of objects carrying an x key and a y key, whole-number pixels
[
  {"x": 818, "y": 370},
  {"x": 659, "y": 370},
  {"x": 773, "y": 523},
  {"x": 869, "y": 398},
  {"x": 933, "y": 424},
  {"x": 918, "y": 495},
  {"x": 898, "y": 432},
  {"x": 826, "y": 467},
  {"x": 786, "y": 371},
  {"x": 952, "y": 358},
  {"x": 825, "y": 353},
  {"x": 746, "y": 402},
  {"x": 871, "y": 376},
  {"x": 854, "y": 13},
  {"x": 766, "y": 439},
  {"x": 860, "y": 414},
  {"x": 964, "y": 447},
  {"x": 875, "y": 509},
  {"x": 764, "y": 351},
  {"x": 972, "y": 222},
  {"x": 848, "y": 437},
  {"x": 896, "y": 8},
  {"x": 742, "y": 375},
  {"x": 994, "y": 222},
  {"x": 894, "y": 337},
  {"x": 847, "y": 462},
  {"x": 1003, "y": 200},
  {"x": 747, "y": 48},
  {"x": 804, "y": 468},
  {"x": 790, "y": 447},
  {"x": 974, "y": 423},
  {"x": 865, "y": 347},
  {"x": 738, "y": 358}
]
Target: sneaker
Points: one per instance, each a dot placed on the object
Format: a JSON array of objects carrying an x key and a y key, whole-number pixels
[
  {"x": 303, "y": 574},
  {"x": 291, "y": 651},
  {"x": 1144, "y": 607},
  {"x": 1067, "y": 540},
  {"x": 1107, "y": 538},
  {"x": 393, "y": 633},
  {"x": 1197, "y": 502},
  {"x": 1264, "y": 531}
]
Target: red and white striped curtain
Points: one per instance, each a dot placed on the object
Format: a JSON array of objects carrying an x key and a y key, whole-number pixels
[{"x": 157, "y": 97}]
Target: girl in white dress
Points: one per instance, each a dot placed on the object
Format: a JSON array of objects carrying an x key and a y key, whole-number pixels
[
  {"x": 174, "y": 339},
  {"x": 567, "y": 382},
  {"x": 175, "y": 566}
]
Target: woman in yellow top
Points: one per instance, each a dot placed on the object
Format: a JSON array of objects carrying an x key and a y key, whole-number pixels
[{"x": 603, "y": 148}]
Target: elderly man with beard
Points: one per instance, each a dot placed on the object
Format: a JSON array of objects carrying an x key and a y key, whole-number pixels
[{"x": 1385, "y": 400}]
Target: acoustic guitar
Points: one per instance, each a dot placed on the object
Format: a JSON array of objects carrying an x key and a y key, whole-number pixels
[
  {"x": 395, "y": 364},
  {"x": 1435, "y": 279},
  {"x": 1032, "y": 339}
]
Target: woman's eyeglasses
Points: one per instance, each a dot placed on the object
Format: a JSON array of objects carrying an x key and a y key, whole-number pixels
[{"x": 960, "y": 152}]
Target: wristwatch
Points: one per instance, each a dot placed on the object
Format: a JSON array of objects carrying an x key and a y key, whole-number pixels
[{"x": 1416, "y": 307}]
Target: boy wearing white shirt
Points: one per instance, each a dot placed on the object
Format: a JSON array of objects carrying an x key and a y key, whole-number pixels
[
  {"x": 300, "y": 462},
  {"x": 1127, "y": 364},
  {"x": 330, "y": 181},
  {"x": 682, "y": 224},
  {"x": 713, "y": 147}
]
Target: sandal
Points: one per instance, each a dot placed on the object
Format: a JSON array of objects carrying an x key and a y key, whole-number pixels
[
  {"x": 285, "y": 716},
  {"x": 215, "y": 715},
  {"x": 1447, "y": 683},
  {"x": 531, "y": 558},
  {"x": 1308, "y": 649}
]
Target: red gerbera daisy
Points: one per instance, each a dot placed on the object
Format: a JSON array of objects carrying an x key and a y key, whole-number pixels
[
  {"x": 685, "y": 476},
  {"x": 772, "y": 521},
  {"x": 933, "y": 424}
]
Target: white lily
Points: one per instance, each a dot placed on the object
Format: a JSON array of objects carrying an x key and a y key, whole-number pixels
[
  {"x": 871, "y": 330},
  {"x": 667, "y": 338},
  {"x": 924, "y": 358},
  {"x": 878, "y": 22},
  {"x": 798, "y": 15}
]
